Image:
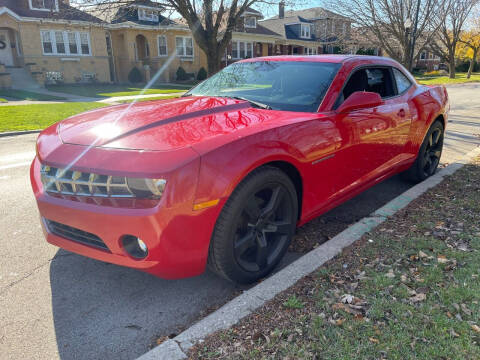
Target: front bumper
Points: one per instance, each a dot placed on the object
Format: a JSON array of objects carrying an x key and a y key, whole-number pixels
[{"x": 177, "y": 237}]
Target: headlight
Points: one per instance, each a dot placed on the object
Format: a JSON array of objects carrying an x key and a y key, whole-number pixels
[
  {"x": 71, "y": 182},
  {"x": 146, "y": 187}
]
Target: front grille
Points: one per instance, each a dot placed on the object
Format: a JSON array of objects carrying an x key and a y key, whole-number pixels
[
  {"x": 71, "y": 182},
  {"x": 75, "y": 234}
]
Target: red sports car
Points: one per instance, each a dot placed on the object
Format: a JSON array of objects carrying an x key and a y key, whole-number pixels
[{"x": 223, "y": 175}]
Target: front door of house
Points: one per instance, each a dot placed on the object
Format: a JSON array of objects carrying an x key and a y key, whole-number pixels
[{"x": 6, "y": 57}]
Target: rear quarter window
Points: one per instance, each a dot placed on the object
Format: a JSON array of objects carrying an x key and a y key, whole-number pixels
[{"x": 403, "y": 83}]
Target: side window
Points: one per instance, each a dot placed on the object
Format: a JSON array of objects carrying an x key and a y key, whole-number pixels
[
  {"x": 380, "y": 81},
  {"x": 373, "y": 79},
  {"x": 403, "y": 83}
]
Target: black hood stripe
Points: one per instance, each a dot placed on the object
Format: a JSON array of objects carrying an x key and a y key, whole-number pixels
[{"x": 219, "y": 109}]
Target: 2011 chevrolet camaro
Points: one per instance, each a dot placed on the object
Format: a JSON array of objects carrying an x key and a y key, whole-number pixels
[{"x": 224, "y": 174}]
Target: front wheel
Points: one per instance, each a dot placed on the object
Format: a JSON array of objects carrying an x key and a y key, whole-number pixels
[
  {"x": 428, "y": 156},
  {"x": 255, "y": 227}
]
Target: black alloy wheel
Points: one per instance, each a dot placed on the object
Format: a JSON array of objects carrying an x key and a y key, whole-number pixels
[
  {"x": 433, "y": 151},
  {"x": 255, "y": 227},
  {"x": 428, "y": 156}
]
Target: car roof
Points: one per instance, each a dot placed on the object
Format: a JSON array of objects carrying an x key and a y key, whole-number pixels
[{"x": 322, "y": 58}]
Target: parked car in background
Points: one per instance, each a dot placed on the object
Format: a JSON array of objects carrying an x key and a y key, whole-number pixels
[{"x": 226, "y": 173}]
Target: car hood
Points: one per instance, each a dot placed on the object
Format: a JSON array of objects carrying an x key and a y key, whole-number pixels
[{"x": 163, "y": 125}]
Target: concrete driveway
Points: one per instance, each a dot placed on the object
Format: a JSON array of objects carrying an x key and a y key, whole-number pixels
[{"x": 54, "y": 304}]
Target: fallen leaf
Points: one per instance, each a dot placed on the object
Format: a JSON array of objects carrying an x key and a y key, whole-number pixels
[
  {"x": 442, "y": 259},
  {"x": 403, "y": 278},
  {"x": 465, "y": 309},
  {"x": 418, "y": 298},
  {"x": 421, "y": 254},
  {"x": 476, "y": 328},
  {"x": 339, "y": 322},
  {"x": 347, "y": 299},
  {"x": 453, "y": 333},
  {"x": 390, "y": 274},
  {"x": 374, "y": 340},
  {"x": 449, "y": 314}
]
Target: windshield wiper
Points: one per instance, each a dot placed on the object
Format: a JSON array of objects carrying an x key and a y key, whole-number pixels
[{"x": 252, "y": 102}]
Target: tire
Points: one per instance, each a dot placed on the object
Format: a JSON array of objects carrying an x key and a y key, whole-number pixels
[
  {"x": 255, "y": 227},
  {"x": 428, "y": 156}
]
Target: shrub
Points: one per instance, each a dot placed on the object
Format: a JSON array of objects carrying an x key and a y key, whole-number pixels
[
  {"x": 135, "y": 76},
  {"x": 181, "y": 74},
  {"x": 202, "y": 74},
  {"x": 431, "y": 73}
]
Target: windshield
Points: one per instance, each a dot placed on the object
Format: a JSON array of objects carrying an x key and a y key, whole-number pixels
[{"x": 282, "y": 85}]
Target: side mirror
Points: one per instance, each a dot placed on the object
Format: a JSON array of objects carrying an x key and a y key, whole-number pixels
[{"x": 360, "y": 100}]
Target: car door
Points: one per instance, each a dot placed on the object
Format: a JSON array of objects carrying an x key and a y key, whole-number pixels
[{"x": 370, "y": 142}]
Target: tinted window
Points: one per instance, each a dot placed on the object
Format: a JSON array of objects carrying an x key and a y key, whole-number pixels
[
  {"x": 403, "y": 83},
  {"x": 283, "y": 85},
  {"x": 377, "y": 80}
]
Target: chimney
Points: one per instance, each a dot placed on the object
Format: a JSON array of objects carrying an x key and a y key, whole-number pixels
[{"x": 281, "y": 9}]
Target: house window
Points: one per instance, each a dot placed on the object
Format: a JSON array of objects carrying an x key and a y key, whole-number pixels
[
  {"x": 184, "y": 46},
  {"x": 147, "y": 15},
  {"x": 250, "y": 22},
  {"x": 85, "y": 43},
  {"x": 65, "y": 43},
  {"x": 47, "y": 42},
  {"x": 162, "y": 45},
  {"x": 72, "y": 43},
  {"x": 344, "y": 28},
  {"x": 60, "y": 42},
  {"x": 242, "y": 49},
  {"x": 423, "y": 55},
  {"x": 305, "y": 31},
  {"x": 310, "y": 51},
  {"x": 44, "y": 5}
]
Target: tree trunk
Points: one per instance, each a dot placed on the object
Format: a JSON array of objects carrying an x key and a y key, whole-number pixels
[
  {"x": 472, "y": 64},
  {"x": 451, "y": 67},
  {"x": 213, "y": 62}
]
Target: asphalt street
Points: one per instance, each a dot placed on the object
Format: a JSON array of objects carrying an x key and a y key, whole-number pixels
[{"x": 55, "y": 304}]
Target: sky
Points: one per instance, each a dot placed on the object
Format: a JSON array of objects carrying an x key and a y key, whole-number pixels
[{"x": 266, "y": 9}]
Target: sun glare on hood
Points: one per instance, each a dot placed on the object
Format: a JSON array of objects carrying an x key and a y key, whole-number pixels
[{"x": 106, "y": 131}]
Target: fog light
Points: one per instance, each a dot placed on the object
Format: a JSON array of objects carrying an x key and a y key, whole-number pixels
[{"x": 134, "y": 246}]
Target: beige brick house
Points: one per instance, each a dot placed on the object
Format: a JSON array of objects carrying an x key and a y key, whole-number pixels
[
  {"x": 49, "y": 38},
  {"x": 141, "y": 37}
]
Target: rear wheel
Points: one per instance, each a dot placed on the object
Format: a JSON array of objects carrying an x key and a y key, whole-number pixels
[
  {"x": 255, "y": 227},
  {"x": 428, "y": 156}
]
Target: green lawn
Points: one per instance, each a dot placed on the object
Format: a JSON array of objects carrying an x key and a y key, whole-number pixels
[
  {"x": 28, "y": 95},
  {"x": 444, "y": 79},
  {"x": 106, "y": 90},
  {"x": 409, "y": 289},
  {"x": 33, "y": 117},
  {"x": 149, "y": 99},
  {"x": 2, "y": 100}
]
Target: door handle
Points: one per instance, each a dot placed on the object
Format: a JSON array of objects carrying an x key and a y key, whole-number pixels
[{"x": 401, "y": 113}]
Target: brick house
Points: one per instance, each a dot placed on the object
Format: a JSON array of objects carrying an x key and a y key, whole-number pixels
[
  {"x": 308, "y": 31},
  {"x": 141, "y": 37},
  {"x": 49, "y": 38}
]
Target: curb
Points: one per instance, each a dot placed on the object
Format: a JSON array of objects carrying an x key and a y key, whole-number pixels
[
  {"x": 15, "y": 133},
  {"x": 246, "y": 303}
]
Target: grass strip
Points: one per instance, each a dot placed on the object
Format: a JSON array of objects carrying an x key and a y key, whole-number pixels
[{"x": 40, "y": 116}]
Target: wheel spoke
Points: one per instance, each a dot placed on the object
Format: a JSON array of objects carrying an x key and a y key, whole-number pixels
[
  {"x": 279, "y": 227},
  {"x": 436, "y": 154},
  {"x": 244, "y": 243},
  {"x": 430, "y": 140},
  {"x": 262, "y": 253},
  {"x": 252, "y": 210},
  {"x": 436, "y": 138},
  {"x": 269, "y": 210}
]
